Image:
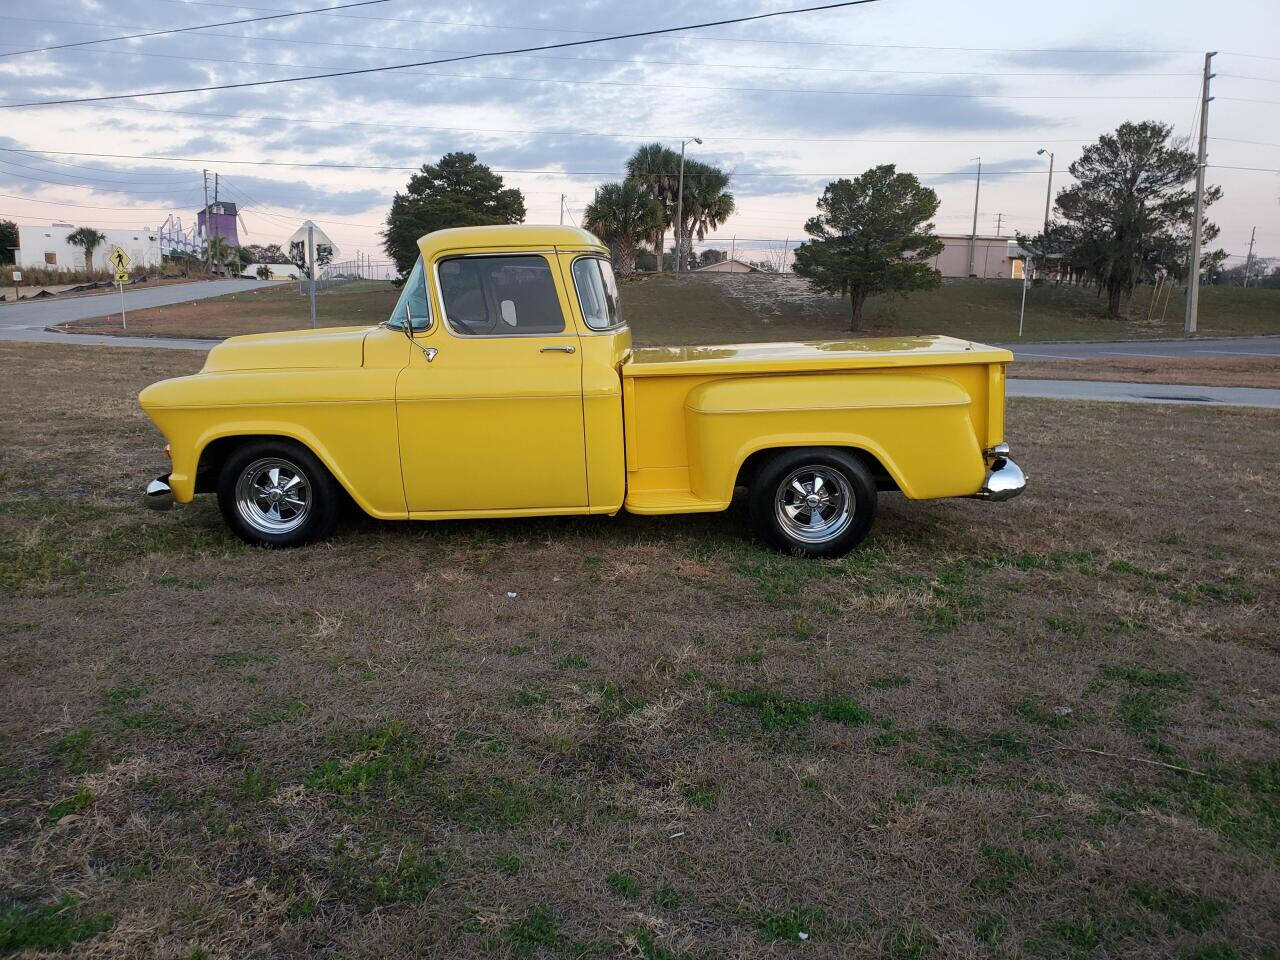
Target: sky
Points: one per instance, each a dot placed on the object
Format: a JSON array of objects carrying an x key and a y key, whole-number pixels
[{"x": 784, "y": 104}]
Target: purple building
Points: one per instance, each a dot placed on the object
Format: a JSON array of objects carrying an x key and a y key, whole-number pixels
[{"x": 219, "y": 220}]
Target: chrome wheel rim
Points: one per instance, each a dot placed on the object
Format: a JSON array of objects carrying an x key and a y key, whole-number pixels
[
  {"x": 815, "y": 504},
  {"x": 273, "y": 496}
]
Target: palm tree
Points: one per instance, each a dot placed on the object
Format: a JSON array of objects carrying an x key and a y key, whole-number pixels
[
  {"x": 623, "y": 215},
  {"x": 707, "y": 205},
  {"x": 220, "y": 251},
  {"x": 87, "y": 239},
  {"x": 657, "y": 169}
]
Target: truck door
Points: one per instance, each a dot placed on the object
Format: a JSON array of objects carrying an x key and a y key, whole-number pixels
[{"x": 492, "y": 422}]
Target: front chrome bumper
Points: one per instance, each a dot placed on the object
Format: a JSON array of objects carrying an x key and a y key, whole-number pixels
[
  {"x": 158, "y": 495},
  {"x": 1004, "y": 479}
]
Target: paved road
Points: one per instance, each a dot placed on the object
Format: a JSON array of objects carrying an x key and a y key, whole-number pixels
[
  {"x": 1161, "y": 349},
  {"x": 1144, "y": 393},
  {"x": 19, "y": 318}
]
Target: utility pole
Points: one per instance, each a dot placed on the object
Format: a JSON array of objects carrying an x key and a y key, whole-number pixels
[
  {"x": 999, "y": 222},
  {"x": 208, "y": 251},
  {"x": 1193, "y": 272},
  {"x": 1048, "y": 190},
  {"x": 209, "y": 216},
  {"x": 1248, "y": 260},
  {"x": 311, "y": 268},
  {"x": 973, "y": 237},
  {"x": 562, "y": 209}
]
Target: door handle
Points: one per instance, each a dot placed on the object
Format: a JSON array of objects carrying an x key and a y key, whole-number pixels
[{"x": 556, "y": 349}]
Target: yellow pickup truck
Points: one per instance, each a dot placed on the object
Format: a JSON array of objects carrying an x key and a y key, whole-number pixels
[{"x": 504, "y": 384}]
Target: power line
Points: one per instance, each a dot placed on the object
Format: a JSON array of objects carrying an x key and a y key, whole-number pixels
[
  {"x": 473, "y": 56},
  {"x": 581, "y": 133},
  {"x": 633, "y": 61},
  {"x": 395, "y": 168},
  {"x": 158, "y": 33},
  {"x": 1085, "y": 51},
  {"x": 686, "y": 86},
  {"x": 174, "y": 191},
  {"x": 81, "y": 176},
  {"x": 85, "y": 206}
]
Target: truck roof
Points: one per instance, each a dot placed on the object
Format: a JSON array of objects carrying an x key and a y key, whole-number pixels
[{"x": 529, "y": 236}]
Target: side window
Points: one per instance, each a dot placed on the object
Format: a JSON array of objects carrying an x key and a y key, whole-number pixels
[
  {"x": 413, "y": 298},
  {"x": 500, "y": 296},
  {"x": 597, "y": 292}
]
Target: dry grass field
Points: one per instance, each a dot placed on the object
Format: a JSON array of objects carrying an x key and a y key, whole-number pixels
[
  {"x": 1046, "y": 728},
  {"x": 710, "y": 308}
]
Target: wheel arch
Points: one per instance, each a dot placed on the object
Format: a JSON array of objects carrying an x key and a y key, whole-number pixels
[
  {"x": 217, "y": 446},
  {"x": 750, "y": 464}
]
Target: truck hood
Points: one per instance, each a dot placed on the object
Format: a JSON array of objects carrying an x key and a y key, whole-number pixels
[{"x": 334, "y": 348}]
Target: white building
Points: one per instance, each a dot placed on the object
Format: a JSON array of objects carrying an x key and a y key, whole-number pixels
[
  {"x": 47, "y": 247},
  {"x": 275, "y": 271}
]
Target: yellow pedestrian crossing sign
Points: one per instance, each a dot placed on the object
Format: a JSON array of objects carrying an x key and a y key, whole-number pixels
[
  {"x": 122, "y": 276},
  {"x": 118, "y": 259}
]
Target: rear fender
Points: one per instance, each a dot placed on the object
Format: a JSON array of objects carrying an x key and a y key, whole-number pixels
[{"x": 918, "y": 426}]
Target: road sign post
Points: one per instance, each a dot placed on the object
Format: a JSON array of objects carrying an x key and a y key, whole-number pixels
[
  {"x": 120, "y": 260},
  {"x": 17, "y": 290}
]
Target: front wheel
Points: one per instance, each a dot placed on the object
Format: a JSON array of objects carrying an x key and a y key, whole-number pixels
[
  {"x": 813, "y": 502},
  {"x": 275, "y": 493}
]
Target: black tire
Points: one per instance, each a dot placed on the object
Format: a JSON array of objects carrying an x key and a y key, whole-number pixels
[
  {"x": 247, "y": 496},
  {"x": 782, "y": 514}
]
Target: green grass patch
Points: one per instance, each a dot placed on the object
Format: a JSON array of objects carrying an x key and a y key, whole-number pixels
[
  {"x": 703, "y": 793},
  {"x": 74, "y": 750},
  {"x": 82, "y": 800},
  {"x": 623, "y": 884},
  {"x": 574, "y": 661},
  {"x": 891, "y": 682},
  {"x": 383, "y": 763},
  {"x": 789, "y": 924},
  {"x": 54, "y": 926},
  {"x": 538, "y": 928},
  {"x": 1146, "y": 677},
  {"x": 1002, "y": 869},
  {"x": 777, "y": 712},
  {"x": 409, "y": 880},
  {"x": 1188, "y": 910}
]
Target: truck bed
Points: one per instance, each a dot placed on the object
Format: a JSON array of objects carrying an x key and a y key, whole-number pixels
[
  {"x": 924, "y": 407},
  {"x": 808, "y": 356}
]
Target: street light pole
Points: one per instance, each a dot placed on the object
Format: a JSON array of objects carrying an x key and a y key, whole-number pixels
[
  {"x": 1048, "y": 190},
  {"x": 680, "y": 207}
]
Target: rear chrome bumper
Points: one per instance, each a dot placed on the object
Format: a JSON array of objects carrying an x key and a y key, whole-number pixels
[
  {"x": 1004, "y": 479},
  {"x": 158, "y": 495}
]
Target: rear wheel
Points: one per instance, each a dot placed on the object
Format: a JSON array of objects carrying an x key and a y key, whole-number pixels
[
  {"x": 275, "y": 493},
  {"x": 813, "y": 501}
]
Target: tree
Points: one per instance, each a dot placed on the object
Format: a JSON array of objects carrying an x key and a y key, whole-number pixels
[
  {"x": 220, "y": 252},
  {"x": 8, "y": 241},
  {"x": 271, "y": 253},
  {"x": 711, "y": 255},
  {"x": 1128, "y": 217},
  {"x": 657, "y": 168},
  {"x": 707, "y": 203},
  {"x": 872, "y": 235},
  {"x": 456, "y": 192},
  {"x": 623, "y": 215},
  {"x": 87, "y": 239}
]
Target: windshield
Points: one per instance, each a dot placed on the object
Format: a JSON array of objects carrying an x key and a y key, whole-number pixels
[{"x": 413, "y": 298}]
